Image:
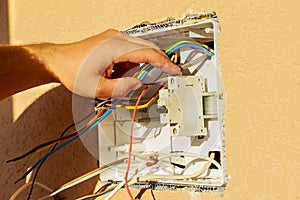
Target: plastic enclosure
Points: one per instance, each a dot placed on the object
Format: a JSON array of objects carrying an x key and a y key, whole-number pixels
[{"x": 192, "y": 120}]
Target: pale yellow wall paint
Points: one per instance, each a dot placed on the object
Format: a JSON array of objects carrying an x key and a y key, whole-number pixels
[{"x": 260, "y": 60}]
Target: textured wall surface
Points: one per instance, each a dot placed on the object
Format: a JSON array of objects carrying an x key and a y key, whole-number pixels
[
  {"x": 261, "y": 67},
  {"x": 4, "y": 28}
]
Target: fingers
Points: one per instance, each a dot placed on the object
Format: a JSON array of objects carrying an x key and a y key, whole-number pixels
[
  {"x": 140, "y": 41},
  {"x": 102, "y": 61},
  {"x": 151, "y": 56},
  {"x": 127, "y": 69},
  {"x": 116, "y": 87},
  {"x": 146, "y": 43}
]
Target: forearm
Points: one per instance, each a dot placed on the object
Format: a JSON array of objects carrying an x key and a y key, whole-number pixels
[
  {"x": 22, "y": 69},
  {"x": 83, "y": 67}
]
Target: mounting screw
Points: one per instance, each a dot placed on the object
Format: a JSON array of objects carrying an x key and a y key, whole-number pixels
[{"x": 172, "y": 80}]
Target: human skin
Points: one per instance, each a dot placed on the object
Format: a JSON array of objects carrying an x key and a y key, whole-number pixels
[{"x": 84, "y": 67}]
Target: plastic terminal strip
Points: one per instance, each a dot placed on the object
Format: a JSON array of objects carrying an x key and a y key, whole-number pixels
[{"x": 184, "y": 119}]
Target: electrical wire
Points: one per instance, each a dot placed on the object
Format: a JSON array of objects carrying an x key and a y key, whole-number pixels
[
  {"x": 195, "y": 46},
  {"x": 187, "y": 42},
  {"x": 206, "y": 166},
  {"x": 68, "y": 142},
  {"x": 140, "y": 194},
  {"x": 102, "y": 188},
  {"x": 83, "y": 178},
  {"x": 121, "y": 184},
  {"x": 130, "y": 142},
  {"x": 194, "y": 62},
  {"x": 23, "y": 187},
  {"x": 52, "y": 141},
  {"x": 41, "y": 164},
  {"x": 130, "y": 107},
  {"x": 98, "y": 194},
  {"x": 95, "y": 194},
  {"x": 142, "y": 74},
  {"x": 152, "y": 194},
  {"x": 210, "y": 160},
  {"x": 175, "y": 59}
]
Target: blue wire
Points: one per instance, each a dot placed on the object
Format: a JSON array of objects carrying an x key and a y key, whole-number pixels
[
  {"x": 195, "y": 46},
  {"x": 105, "y": 114},
  {"x": 144, "y": 75},
  {"x": 71, "y": 140},
  {"x": 106, "y": 192}
]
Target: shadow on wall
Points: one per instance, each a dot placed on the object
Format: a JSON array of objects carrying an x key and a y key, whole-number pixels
[
  {"x": 43, "y": 120},
  {"x": 4, "y": 28}
]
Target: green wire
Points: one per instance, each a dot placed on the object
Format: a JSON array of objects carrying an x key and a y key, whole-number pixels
[
  {"x": 140, "y": 74},
  {"x": 190, "y": 42}
]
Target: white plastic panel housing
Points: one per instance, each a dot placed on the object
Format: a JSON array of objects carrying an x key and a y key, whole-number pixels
[{"x": 192, "y": 121}]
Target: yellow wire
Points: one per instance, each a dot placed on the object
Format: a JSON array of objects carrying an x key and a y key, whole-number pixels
[
  {"x": 33, "y": 154},
  {"x": 140, "y": 106},
  {"x": 144, "y": 105},
  {"x": 46, "y": 147}
]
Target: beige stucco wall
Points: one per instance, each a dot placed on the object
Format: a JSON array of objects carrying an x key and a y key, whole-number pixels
[{"x": 260, "y": 59}]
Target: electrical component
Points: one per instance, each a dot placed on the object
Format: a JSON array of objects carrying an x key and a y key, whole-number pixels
[
  {"x": 178, "y": 131},
  {"x": 183, "y": 119}
]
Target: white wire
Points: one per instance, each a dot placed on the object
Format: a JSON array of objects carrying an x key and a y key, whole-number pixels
[
  {"x": 122, "y": 184},
  {"x": 178, "y": 177},
  {"x": 77, "y": 181},
  {"x": 192, "y": 155},
  {"x": 100, "y": 105},
  {"x": 23, "y": 187},
  {"x": 209, "y": 160},
  {"x": 194, "y": 62}
]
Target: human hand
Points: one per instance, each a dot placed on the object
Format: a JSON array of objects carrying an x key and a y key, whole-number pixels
[{"x": 86, "y": 67}]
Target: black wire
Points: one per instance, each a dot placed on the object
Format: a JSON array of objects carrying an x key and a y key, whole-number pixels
[
  {"x": 49, "y": 142},
  {"x": 152, "y": 194},
  {"x": 39, "y": 167},
  {"x": 42, "y": 145},
  {"x": 140, "y": 194}
]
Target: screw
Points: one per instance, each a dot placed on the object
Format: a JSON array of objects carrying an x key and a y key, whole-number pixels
[{"x": 172, "y": 80}]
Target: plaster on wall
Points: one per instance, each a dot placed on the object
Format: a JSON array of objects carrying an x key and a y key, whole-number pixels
[{"x": 259, "y": 53}]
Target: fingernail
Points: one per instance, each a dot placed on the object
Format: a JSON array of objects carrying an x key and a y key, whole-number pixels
[{"x": 175, "y": 71}]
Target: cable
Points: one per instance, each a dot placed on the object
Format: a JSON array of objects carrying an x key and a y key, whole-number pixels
[
  {"x": 23, "y": 187},
  {"x": 62, "y": 134},
  {"x": 152, "y": 194},
  {"x": 101, "y": 193},
  {"x": 68, "y": 142},
  {"x": 50, "y": 142},
  {"x": 195, "y": 46},
  {"x": 95, "y": 194},
  {"x": 194, "y": 62},
  {"x": 129, "y": 107},
  {"x": 187, "y": 42},
  {"x": 140, "y": 194},
  {"x": 130, "y": 141},
  {"x": 121, "y": 184},
  {"x": 83, "y": 178},
  {"x": 175, "y": 59},
  {"x": 177, "y": 177}
]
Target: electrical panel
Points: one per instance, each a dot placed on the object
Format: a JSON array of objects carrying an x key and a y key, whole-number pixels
[{"x": 178, "y": 133}]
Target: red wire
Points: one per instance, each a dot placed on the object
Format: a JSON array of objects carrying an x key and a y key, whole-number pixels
[{"x": 130, "y": 142}]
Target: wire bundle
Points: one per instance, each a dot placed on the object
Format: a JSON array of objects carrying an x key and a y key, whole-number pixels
[{"x": 93, "y": 122}]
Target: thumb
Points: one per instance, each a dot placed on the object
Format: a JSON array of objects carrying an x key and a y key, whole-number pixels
[{"x": 116, "y": 87}]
